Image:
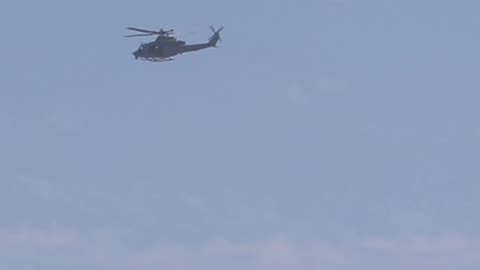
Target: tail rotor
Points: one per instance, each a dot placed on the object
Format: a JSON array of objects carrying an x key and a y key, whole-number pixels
[{"x": 216, "y": 36}]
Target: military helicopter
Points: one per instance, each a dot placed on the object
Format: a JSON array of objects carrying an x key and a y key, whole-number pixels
[{"x": 166, "y": 46}]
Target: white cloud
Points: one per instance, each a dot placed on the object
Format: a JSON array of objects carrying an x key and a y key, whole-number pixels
[
  {"x": 40, "y": 249},
  {"x": 447, "y": 251}
]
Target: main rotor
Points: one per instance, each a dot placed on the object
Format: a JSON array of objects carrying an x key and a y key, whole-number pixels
[{"x": 161, "y": 32}]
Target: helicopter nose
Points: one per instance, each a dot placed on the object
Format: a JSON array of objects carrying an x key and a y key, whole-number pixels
[{"x": 135, "y": 54}]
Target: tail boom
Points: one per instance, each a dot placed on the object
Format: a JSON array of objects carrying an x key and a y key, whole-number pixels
[
  {"x": 194, "y": 47},
  {"x": 212, "y": 42}
]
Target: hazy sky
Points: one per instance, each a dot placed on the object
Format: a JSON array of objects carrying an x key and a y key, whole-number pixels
[{"x": 320, "y": 135}]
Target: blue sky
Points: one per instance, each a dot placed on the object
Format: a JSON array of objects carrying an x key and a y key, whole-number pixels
[{"x": 321, "y": 134}]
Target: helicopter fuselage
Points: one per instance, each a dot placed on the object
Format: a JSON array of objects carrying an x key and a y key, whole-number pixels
[
  {"x": 160, "y": 50},
  {"x": 165, "y": 47}
]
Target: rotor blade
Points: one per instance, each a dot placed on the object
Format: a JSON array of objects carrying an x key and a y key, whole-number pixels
[
  {"x": 221, "y": 28},
  {"x": 138, "y": 35},
  {"x": 161, "y": 31},
  {"x": 213, "y": 29},
  {"x": 141, "y": 30}
]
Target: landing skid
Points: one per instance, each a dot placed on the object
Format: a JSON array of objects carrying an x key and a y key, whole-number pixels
[{"x": 156, "y": 59}]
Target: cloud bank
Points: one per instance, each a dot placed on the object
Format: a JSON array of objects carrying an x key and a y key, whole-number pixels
[{"x": 70, "y": 249}]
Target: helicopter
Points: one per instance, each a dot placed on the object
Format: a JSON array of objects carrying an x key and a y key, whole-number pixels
[{"x": 166, "y": 45}]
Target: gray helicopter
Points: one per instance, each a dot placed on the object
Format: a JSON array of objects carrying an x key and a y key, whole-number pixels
[{"x": 166, "y": 46}]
